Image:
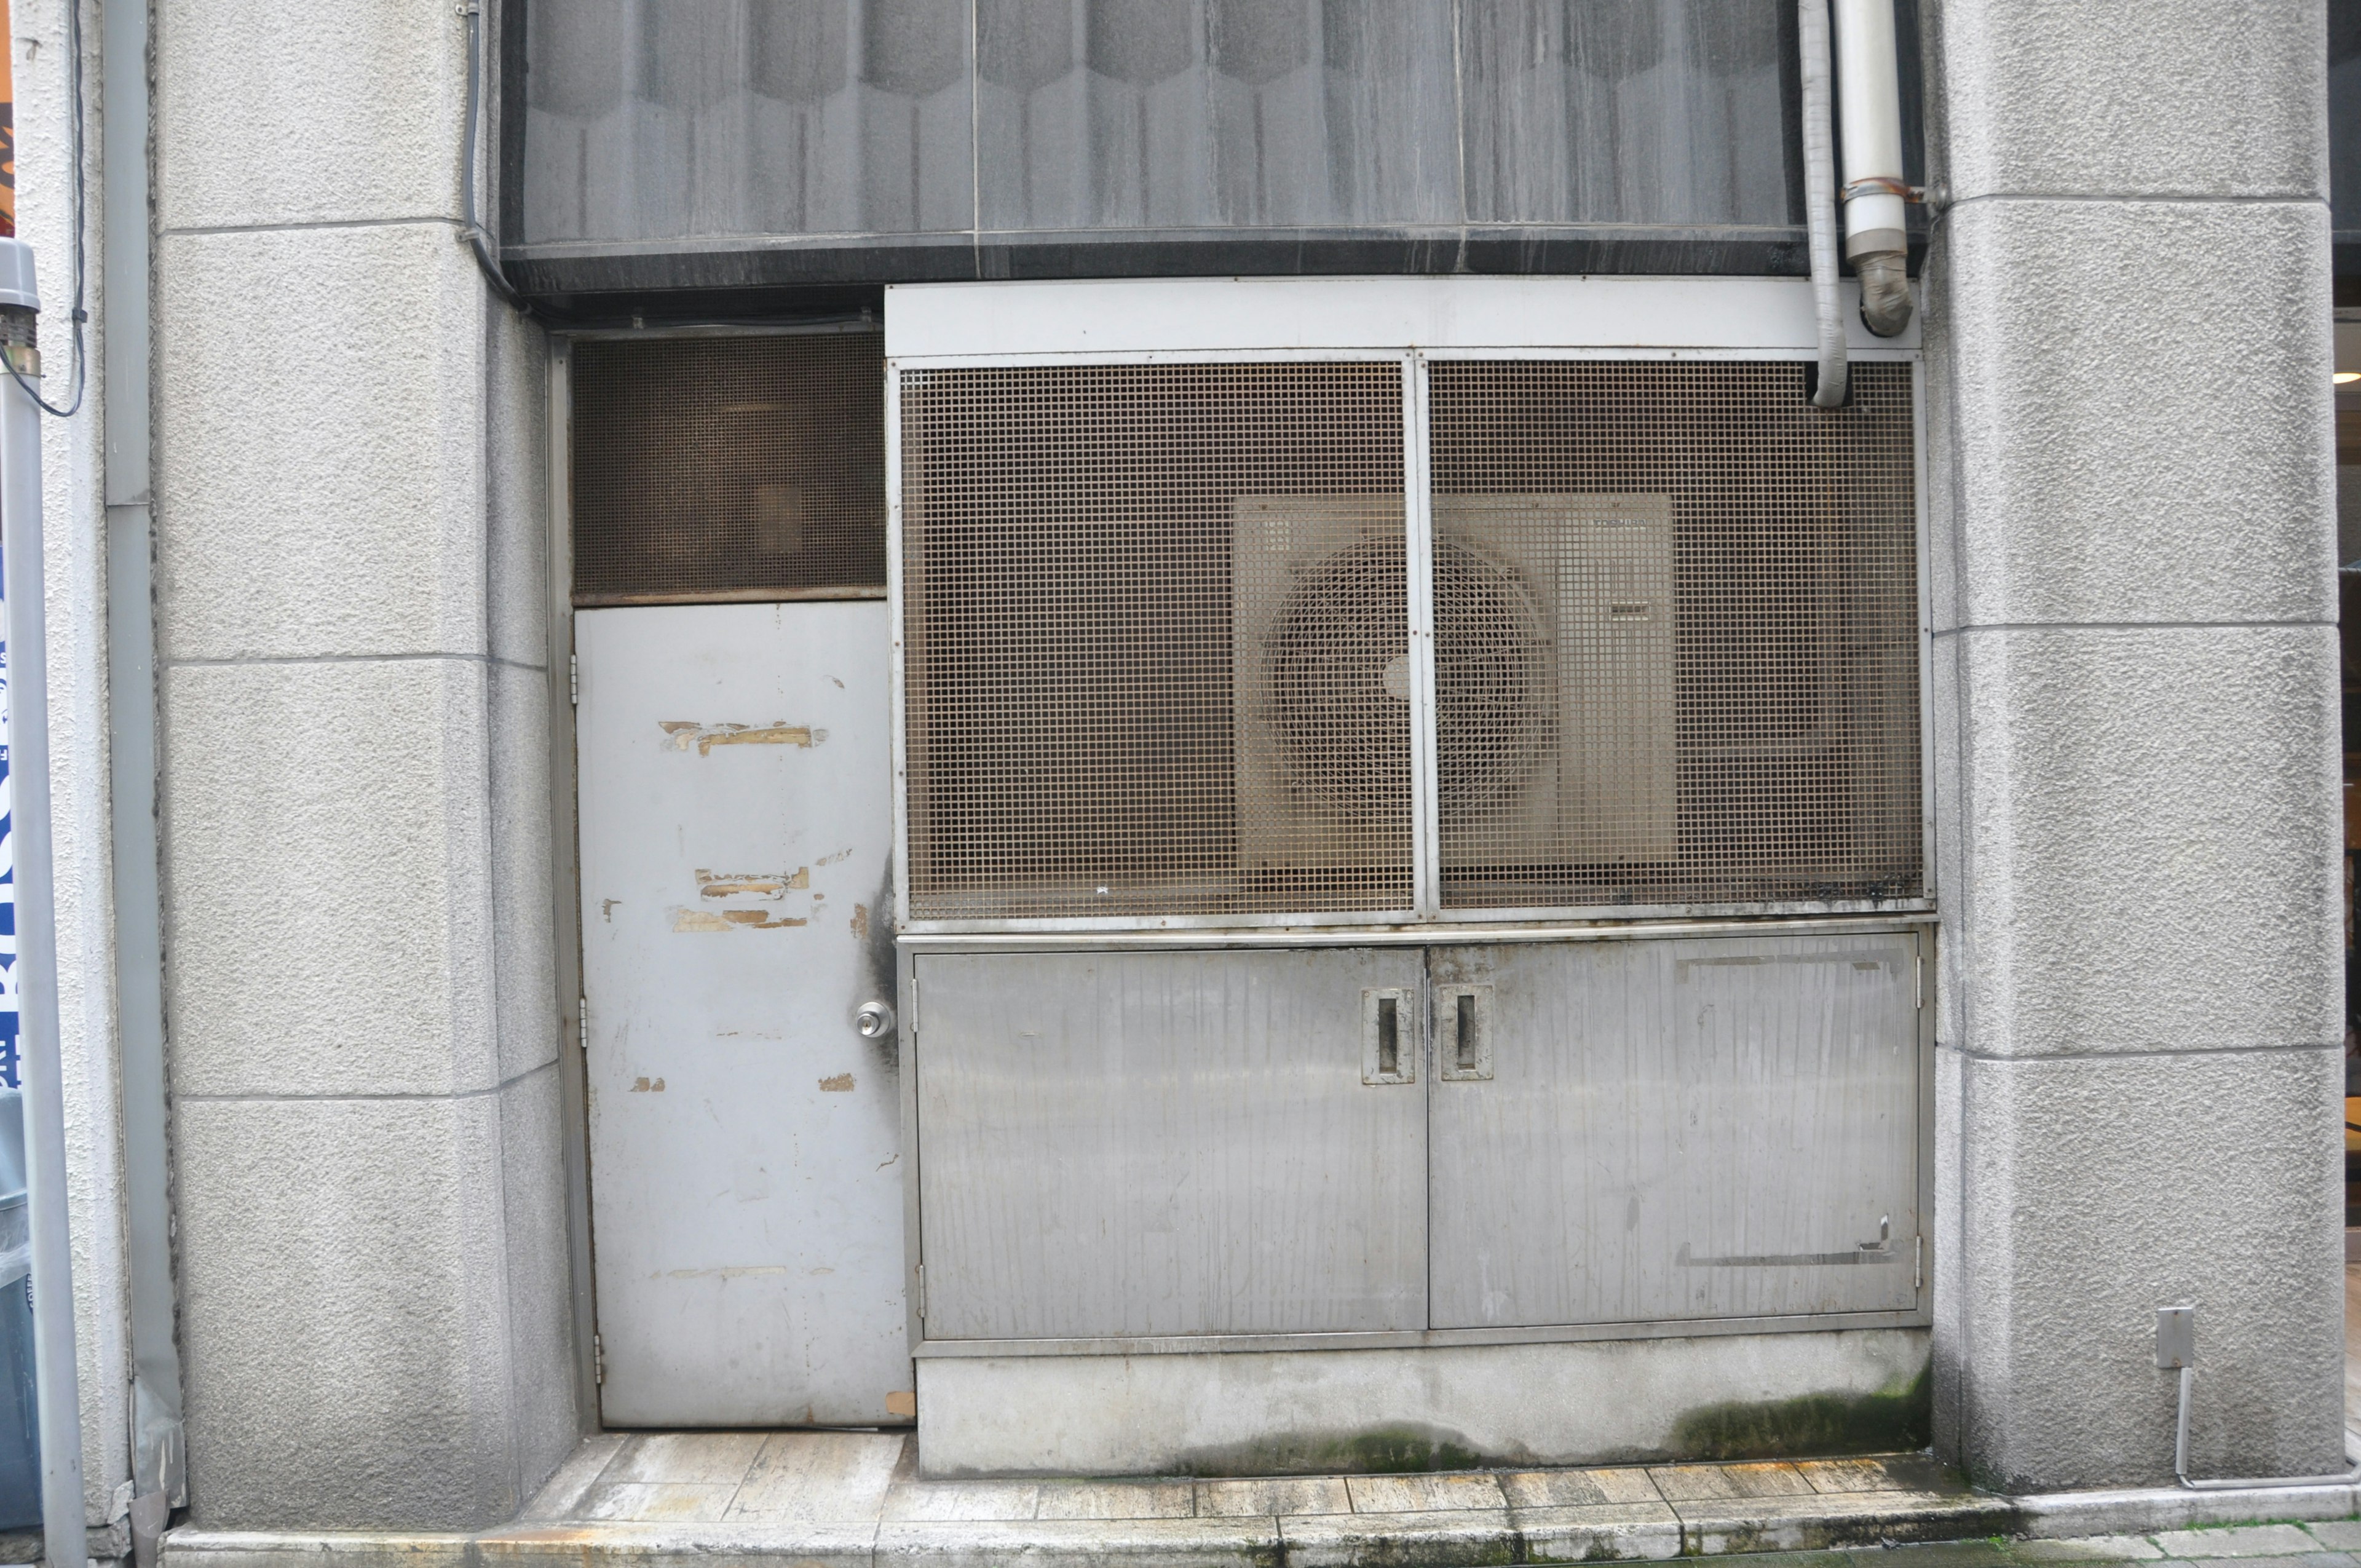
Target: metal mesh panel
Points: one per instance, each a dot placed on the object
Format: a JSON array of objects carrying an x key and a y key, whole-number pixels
[
  {"x": 1155, "y": 635},
  {"x": 1675, "y": 635},
  {"x": 748, "y": 467}
]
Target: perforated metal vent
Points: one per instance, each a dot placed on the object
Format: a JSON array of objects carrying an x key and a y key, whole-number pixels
[
  {"x": 1159, "y": 661},
  {"x": 1150, "y": 614},
  {"x": 736, "y": 468},
  {"x": 1730, "y": 580}
]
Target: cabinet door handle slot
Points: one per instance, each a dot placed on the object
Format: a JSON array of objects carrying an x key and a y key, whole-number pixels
[
  {"x": 1389, "y": 1036},
  {"x": 1463, "y": 1016}
]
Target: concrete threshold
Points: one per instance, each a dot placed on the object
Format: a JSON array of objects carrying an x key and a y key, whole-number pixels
[{"x": 728, "y": 1500}]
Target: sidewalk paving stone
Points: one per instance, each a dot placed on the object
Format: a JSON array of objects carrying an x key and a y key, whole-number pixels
[
  {"x": 1274, "y": 1496},
  {"x": 1465, "y": 1537},
  {"x": 2238, "y": 1541}
]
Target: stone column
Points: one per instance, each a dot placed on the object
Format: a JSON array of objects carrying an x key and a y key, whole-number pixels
[
  {"x": 361, "y": 1007},
  {"x": 2132, "y": 504}
]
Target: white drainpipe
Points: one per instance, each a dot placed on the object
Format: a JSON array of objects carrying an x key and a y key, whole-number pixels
[
  {"x": 1820, "y": 200},
  {"x": 1869, "y": 103}
]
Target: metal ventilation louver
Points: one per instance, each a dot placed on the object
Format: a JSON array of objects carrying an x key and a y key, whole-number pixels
[{"x": 1161, "y": 655}]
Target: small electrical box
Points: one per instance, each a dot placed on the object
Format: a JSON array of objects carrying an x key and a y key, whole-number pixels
[{"x": 2176, "y": 1336}]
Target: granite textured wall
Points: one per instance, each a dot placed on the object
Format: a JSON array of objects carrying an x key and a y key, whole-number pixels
[
  {"x": 2133, "y": 504},
  {"x": 360, "y": 991}
]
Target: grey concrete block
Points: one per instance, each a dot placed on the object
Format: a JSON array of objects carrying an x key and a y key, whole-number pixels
[
  {"x": 546, "y": 1422},
  {"x": 307, "y": 114},
  {"x": 2149, "y": 839},
  {"x": 2201, "y": 97},
  {"x": 320, "y": 445},
  {"x": 524, "y": 940},
  {"x": 2099, "y": 1188},
  {"x": 2137, "y": 414},
  {"x": 326, "y": 851},
  {"x": 343, "y": 1313}
]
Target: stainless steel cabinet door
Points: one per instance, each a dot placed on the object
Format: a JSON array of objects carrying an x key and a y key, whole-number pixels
[
  {"x": 736, "y": 820},
  {"x": 1118, "y": 1144},
  {"x": 1667, "y": 1130}
]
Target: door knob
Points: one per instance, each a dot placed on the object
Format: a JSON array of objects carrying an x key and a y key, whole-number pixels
[{"x": 874, "y": 1020}]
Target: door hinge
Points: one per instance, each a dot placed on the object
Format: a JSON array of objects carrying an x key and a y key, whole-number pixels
[
  {"x": 582, "y": 1023},
  {"x": 1921, "y": 976},
  {"x": 598, "y": 1361},
  {"x": 1919, "y": 1262},
  {"x": 912, "y": 1019},
  {"x": 922, "y": 1293},
  {"x": 573, "y": 680}
]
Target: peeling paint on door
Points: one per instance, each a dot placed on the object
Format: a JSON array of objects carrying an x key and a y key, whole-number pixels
[
  {"x": 732, "y": 920},
  {"x": 681, "y": 734},
  {"x": 750, "y": 884},
  {"x": 841, "y": 1083}
]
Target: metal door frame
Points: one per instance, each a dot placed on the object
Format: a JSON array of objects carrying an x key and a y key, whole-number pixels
[{"x": 565, "y": 841}]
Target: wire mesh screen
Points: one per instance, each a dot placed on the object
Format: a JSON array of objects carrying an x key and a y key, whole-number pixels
[
  {"x": 713, "y": 469},
  {"x": 1155, "y": 640},
  {"x": 1677, "y": 619}
]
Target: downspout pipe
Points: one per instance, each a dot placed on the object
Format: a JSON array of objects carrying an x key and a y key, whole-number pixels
[
  {"x": 1828, "y": 391},
  {"x": 1869, "y": 103},
  {"x": 56, "y": 1389}
]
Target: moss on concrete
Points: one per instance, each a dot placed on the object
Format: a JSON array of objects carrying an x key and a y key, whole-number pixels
[{"x": 1895, "y": 1419}]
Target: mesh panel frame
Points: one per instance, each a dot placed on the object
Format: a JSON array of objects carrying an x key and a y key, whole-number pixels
[
  {"x": 1088, "y": 553},
  {"x": 729, "y": 467},
  {"x": 1154, "y": 623},
  {"x": 1735, "y": 717}
]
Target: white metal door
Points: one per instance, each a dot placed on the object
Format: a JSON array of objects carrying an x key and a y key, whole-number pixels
[{"x": 746, "y": 1191}]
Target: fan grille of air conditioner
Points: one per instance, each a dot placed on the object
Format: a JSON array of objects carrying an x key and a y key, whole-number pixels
[{"x": 1156, "y": 638}]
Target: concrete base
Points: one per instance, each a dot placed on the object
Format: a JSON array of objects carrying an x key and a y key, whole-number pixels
[{"x": 1362, "y": 1411}]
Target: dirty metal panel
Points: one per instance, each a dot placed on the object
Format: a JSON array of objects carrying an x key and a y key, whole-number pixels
[
  {"x": 744, "y": 1139},
  {"x": 1129, "y": 1144},
  {"x": 742, "y": 467},
  {"x": 1679, "y": 1129}
]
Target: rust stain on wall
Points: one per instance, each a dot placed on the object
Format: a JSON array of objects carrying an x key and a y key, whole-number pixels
[
  {"x": 680, "y": 734},
  {"x": 903, "y": 1402},
  {"x": 861, "y": 921},
  {"x": 647, "y": 1086},
  {"x": 841, "y": 1083}
]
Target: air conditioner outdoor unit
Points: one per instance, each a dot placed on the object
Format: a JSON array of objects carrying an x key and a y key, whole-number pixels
[{"x": 1554, "y": 666}]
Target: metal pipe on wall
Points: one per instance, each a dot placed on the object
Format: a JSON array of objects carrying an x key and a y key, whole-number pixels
[
  {"x": 159, "y": 1467},
  {"x": 1868, "y": 104},
  {"x": 1820, "y": 200},
  {"x": 56, "y": 1382}
]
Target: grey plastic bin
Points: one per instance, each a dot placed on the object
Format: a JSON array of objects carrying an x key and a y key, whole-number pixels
[{"x": 20, "y": 1438}]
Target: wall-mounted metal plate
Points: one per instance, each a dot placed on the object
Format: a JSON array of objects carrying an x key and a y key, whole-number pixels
[{"x": 2176, "y": 1336}]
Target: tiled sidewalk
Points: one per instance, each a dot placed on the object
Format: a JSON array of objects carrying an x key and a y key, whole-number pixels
[{"x": 842, "y": 1499}]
